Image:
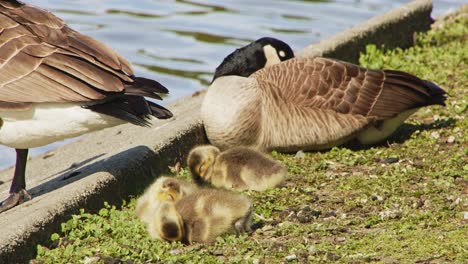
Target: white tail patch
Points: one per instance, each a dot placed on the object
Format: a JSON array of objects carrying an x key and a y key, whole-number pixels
[{"x": 373, "y": 134}]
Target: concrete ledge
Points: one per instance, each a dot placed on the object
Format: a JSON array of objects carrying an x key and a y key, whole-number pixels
[
  {"x": 393, "y": 29},
  {"x": 108, "y": 165},
  {"x": 114, "y": 163}
]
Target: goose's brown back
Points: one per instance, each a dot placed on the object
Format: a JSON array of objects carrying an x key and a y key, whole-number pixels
[
  {"x": 43, "y": 60},
  {"x": 318, "y": 103}
]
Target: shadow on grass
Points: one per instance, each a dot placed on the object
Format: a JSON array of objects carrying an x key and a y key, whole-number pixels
[{"x": 402, "y": 134}]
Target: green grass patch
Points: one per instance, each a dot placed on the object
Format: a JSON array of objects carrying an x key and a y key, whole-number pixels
[{"x": 402, "y": 201}]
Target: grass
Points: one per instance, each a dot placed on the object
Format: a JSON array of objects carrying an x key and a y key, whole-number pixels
[{"x": 402, "y": 201}]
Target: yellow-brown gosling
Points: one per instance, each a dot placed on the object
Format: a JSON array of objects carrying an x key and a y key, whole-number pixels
[
  {"x": 262, "y": 96},
  {"x": 238, "y": 168},
  {"x": 166, "y": 223},
  {"x": 164, "y": 189},
  {"x": 209, "y": 213}
]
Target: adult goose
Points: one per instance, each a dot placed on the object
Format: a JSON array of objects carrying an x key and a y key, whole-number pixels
[
  {"x": 56, "y": 83},
  {"x": 262, "y": 96}
]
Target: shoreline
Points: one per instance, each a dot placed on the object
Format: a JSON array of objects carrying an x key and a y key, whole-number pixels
[{"x": 114, "y": 163}]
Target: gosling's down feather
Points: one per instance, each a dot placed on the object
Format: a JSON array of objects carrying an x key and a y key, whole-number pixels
[
  {"x": 209, "y": 213},
  {"x": 156, "y": 207},
  {"x": 165, "y": 188},
  {"x": 166, "y": 223},
  {"x": 176, "y": 210},
  {"x": 290, "y": 103},
  {"x": 238, "y": 168}
]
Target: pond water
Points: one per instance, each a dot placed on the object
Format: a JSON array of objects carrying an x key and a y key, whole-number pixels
[{"x": 180, "y": 43}]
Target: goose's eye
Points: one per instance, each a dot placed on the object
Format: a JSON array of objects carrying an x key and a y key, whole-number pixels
[{"x": 282, "y": 54}]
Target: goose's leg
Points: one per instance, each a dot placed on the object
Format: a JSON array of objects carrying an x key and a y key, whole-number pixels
[{"x": 18, "y": 186}]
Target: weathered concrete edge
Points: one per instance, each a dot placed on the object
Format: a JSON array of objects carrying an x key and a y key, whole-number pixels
[
  {"x": 393, "y": 29},
  {"x": 107, "y": 180},
  {"x": 110, "y": 179}
]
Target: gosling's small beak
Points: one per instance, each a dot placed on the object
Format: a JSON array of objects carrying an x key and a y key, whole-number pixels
[
  {"x": 167, "y": 196},
  {"x": 164, "y": 196}
]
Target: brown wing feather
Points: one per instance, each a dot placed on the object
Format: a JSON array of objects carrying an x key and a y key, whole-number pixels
[
  {"x": 334, "y": 99},
  {"x": 53, "y": 30},
  {"x": 42, "y": 60},
  {"x": 346, "y": 88}
]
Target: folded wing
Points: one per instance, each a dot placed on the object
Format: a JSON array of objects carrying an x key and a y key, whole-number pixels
[
  {"x": 335, "y": 98},
  {"x": 43, "y": 60}
]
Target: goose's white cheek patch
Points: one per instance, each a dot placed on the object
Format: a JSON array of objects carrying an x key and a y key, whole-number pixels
[{"x": 271, "y": 55}]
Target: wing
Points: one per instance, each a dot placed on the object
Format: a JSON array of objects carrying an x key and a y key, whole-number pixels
[
  {"x": 43, "y": 60},
  {"x": 346, "y": 88},
  {"x": 334, "y": 99}
]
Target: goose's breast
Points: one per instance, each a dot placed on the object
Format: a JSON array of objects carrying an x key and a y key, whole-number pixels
[
  {"x": 231, "y": 112},
  {"x": 45, "y": 123}
]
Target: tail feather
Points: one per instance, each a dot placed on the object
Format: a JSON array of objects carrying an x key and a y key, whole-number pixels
[
  {"x": 125, "y": 109},
  {"x": 402, "y": 91},
  {"x": 438, "y": 95},
  {"x": 146, "y": 87},
  {"x": 132, "y": 106},
  {"x": 428, "y": 91},
  {"x": 159, "y": 111},
  {"x": 133, "y": 109},
  {"x": 142, "y": 92},
  {"x": 143, "y": 83}
]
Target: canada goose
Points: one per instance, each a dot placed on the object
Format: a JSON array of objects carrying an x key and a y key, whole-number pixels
[
  {"x": 209, "y": 213},
  {"x": 264, "y": 97},
  {"x": 238, "y": 168},
  {"x": 164, "y": 189},
  {"x": 56, "y": 83}
]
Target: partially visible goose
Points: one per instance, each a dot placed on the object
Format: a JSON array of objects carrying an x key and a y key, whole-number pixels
[
  {"x": 262, "y": 96},
  {"x": 56, "y": 83},
  {"x": 238, "y": 168}
]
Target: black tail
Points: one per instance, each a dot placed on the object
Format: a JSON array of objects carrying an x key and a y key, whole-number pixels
[
  {"x": 159, "y": 111},
  {"x": 432, "y": 93},
  {"x": 132, "y": 106},
  {"x": 146, "y": 87},
  {"x": 438, "y": 95}
]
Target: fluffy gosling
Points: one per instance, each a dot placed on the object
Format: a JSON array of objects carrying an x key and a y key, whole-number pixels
[
  {"x": 209, "y": 213},
  {"x": 238, "y": 168},
  {"x": 154, "y": 201},
  {"x": 166, "y": 224}
]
